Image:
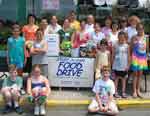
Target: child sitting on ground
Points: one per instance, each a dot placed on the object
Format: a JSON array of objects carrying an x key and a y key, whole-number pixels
[
  {"x": 38, "y": 89},
  {"x": 104, "y": 89},
  {"x": 11, "y": 90}
]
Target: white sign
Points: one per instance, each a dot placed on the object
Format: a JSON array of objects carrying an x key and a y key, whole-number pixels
[
  {"x": 53, "y": 44},
  {"x": 71, "y": 72},
  {"x": 51, "y": 4}
]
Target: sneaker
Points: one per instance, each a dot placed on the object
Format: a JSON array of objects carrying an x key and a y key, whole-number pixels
[
  {"x": 7, "y": 109},
  {"x": 42, "y": 110},
  {"x": 18, "y": 110},
  {"x": 36, "y": 111}
]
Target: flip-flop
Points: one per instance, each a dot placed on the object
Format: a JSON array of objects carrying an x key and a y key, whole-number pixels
[{"x": 124, "y": 95}]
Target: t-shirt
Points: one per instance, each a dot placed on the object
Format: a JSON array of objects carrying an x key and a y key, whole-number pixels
[
  {"x": 40, "y": 58},
  {"x": 53, "y": 30},
  {"x": 65, "y": 34},
  {"x": 8, "y": 82},
  {"x": 131, "y": 32},
  {"x": 75, "y": 25},
  {"x": 16, "y": 50},
  {"x": 89, "y": 28},
  {"x": 104, "y": 88},
  {"x": 97, "y": 37},
  {"x": 30, "y": 32},
  {"x": 113, "y": 38}
]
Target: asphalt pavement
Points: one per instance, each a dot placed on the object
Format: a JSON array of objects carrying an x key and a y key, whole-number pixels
[{"x": 79, "y": 111}]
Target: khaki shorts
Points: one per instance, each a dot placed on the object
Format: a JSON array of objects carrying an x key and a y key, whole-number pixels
[{"x": 94, "y": 106}]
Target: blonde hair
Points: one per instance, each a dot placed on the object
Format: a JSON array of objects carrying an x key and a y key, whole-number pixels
[
  {"x": 36, "y": 66},
  {"x": 106, "y": 68},
  {"x": 12, "y": 67},
  {"x": 134, "y": 18}
]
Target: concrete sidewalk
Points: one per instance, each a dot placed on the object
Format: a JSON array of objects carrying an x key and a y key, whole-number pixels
[{"x": 72, "y": 96}]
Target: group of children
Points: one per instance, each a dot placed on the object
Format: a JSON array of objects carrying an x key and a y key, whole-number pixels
[
  {"x": 38, "y": 89},
  {"x": 117, "y": 50}
]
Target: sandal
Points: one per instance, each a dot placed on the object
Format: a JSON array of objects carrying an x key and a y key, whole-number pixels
[
  {"x": 124, "y": 95},
  {"x": 134, "y": 95},
  {"x": 116, "y": 95},
  {"x": 139, "y": 95}
]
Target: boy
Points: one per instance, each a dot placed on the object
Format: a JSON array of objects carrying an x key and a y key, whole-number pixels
[
  {"x": 11, "y": 90},
  {"x": 16, "y": 48},
  {"x": 104, "y": 89}
]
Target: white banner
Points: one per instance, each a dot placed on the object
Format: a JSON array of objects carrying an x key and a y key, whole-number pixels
[
  {"x": 51, "y": 4},
  {"x": 53, "y": 44},
  {"x": 71, "y": 72}
]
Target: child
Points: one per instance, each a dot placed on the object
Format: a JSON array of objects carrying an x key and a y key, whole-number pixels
[
  {"x": 104, "y": 89},
  {"x": 139, "y": 58},
  {"x": 121, "y": 62},
  {"x": 38, "y": 89},
  {"x": 107, "y": 28},
  {"x": 11, "y": 90},
  {"x": 102, "y": 58},
  {"x": 97, "y": 35},
  {"x": 39, "y": 50},
  {"x": 16, "y": 48},
  {"x": 133, "y": 21}
]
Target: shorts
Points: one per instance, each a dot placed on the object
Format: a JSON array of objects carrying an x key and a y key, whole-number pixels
[
  {"x": 94, "y": 106},
  {"x": 121, "y": 73}
]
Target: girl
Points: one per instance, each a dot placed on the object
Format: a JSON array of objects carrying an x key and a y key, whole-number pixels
[
  {"x": 38, "y": 89},
  {"x": 29, "y": 32},
  {"x": 11, "y": 90},
  {"x": 79, "y": 39},
  {"x": 107, "y": 28},
  {"x": 38, "y": 51},
  {"x": 133, "y": 21},
  {"x": 16, "y": 48},
  {"x": 123, "y": 24},
  {"x": 102, "y": 58},
  {"x": 139, "y": 58},
  {"x": 121, "y": 62},
  {"x": 113, "y": 36},
  {"x": 97, "y": 35}
]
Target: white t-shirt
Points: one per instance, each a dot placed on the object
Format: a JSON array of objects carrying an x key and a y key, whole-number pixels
[
  {"x": 113, "y": 38},
  {"x": 53, "y": 30},
  {"x": 131, "y": 32},
  {"x": 104, "y": 88},
  {"x": 89, "y": 28},
  {"x": 97, "y": 37}
]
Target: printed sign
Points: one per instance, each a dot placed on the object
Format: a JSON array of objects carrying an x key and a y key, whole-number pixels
[
  {"x": 53, "y": 44},
  {"x": 71, "y": 72},
  {"x": 51, "y": 4}
]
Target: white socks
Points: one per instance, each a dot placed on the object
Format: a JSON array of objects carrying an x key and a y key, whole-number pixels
[
  {"x": 9, "y": 103},
  {"x": 16, "y": 104}
]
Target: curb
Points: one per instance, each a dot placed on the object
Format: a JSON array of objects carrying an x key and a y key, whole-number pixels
[{"x": 122, "y": 103}]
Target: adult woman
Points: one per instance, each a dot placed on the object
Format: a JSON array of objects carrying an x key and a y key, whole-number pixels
[{"x": 29, "y": 31}]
